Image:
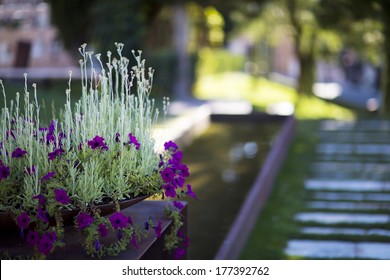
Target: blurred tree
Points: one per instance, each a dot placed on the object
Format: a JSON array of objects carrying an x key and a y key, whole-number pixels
[
  {"x": 366, "y": 27},
  {"x": 73, "y": 19},
  {"x": 133, "y": 22},
  {"x": 305, "y": 31}
]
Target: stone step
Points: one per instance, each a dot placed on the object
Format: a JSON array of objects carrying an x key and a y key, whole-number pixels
[
  {"x": 353, "y": 185},
  {"x": 348, "y": 148},
  {"x": 342, "y": 175},
  {"x": 358, "y": 206},
  {"x": 334, "y": 166},
  {"x": 338, "y": 249},
  {"x": 345, "y": 231},
  {"x": 354, "y": 137},
  {"x": 328, "y": 218},
  {"x": 361, "y": 125},
  {"x": 351, "y": 196},
  {"x": 352, "y": 157}
]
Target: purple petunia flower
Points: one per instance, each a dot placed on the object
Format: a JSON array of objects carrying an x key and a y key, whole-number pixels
[
  {"x": 18, "y": 153},
  {"x": 179, "y": 253},
  {"x": 45, "y": 244},
  {"x": 97, "y": 142},
  {"x": 32, "y": 238},
  {"x": 177, "y": 156},
  {"x": 52, "y": 126},
  {"x": 158, "y": 229},
  {"x": 117, "y": 137},
  {"x": 171, "y": 146},
  {"x": 48, "y": 176},
  {"x": 53, "y": 236},
  {"x": 180, "y": 181},
  {"x": 23, "y": 220},
  {"x": 41, "y": 199},
  {"x": 167, "y": 174},
  {"x": 4, "y": 171},
  {"x": 170, "y": 190},
  {"x": 118, "y": 220},
  {"x": 134, "y": 141},
  {"x": 55, "y": 153},
  {"x": 178, "y": 205},
  {"x": 146, "y": 225},
  {"x": 183, "y": 169},
  {"x": 190, "y": 192},
  {"x": 42, "y": 215},
  {"x": 61, "y": 196},
  {"x": 84, "y": 220},
  {"x": 50, "y": 138},
  {"x": 102, "y": 230}
]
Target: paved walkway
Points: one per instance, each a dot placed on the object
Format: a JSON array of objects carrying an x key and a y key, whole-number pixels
[{"x": 348, "y": 207}]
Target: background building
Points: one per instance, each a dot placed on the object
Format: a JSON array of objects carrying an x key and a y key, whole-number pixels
[{"x": 27, "y": 37}]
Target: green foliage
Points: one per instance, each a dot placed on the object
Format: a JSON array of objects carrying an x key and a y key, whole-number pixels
[
  {"x": 165, "y": 64},
  {"x": 171, "y": 240},
  {"x": 213, "y": 61}
]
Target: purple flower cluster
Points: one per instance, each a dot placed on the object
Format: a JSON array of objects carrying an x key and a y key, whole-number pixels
[
  {"x": 97, "y": 142},
  {"x": 23, "y": 220},
  {"x": 18, "y": 153},
  {"x": 84, "y": 220},
  {"x": 50, "y": 136},
  {"x": 133, "y": 141},
  {"x": 35, "y": 224},
  {"x": 48, "y": 176},
  {"x": 102, "y": 230},
  {"x": 174, "y": 172},
  {"x": 44, "y": 243},
  {"x": 55, "y": 153},
  {"x": 181, "y": 250},
  {"x": 118, "y": 220},
  {"x": 4, "y": 171},
  {"x": 61, "y": 196}
]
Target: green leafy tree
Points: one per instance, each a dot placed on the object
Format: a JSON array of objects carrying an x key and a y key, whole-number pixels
[{"x": 366, "y": 27}]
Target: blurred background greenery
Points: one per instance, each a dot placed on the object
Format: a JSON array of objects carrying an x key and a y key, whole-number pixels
[{"x": 194, "y": 44}]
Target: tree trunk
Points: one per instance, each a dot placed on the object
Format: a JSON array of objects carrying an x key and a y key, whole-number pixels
[
  {"x": 182, "y": 83},
  {"x": 305, "y": 55},
  {"x": 307, "y": 72}
]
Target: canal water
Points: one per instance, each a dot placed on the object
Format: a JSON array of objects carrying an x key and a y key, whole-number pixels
[{"x": 224, "y": 163}]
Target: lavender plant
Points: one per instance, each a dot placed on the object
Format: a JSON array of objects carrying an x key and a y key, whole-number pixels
[{"x": 100, "y": 150}]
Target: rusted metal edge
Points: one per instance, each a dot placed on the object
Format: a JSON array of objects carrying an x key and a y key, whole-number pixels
[{"x": 250, "y": 209}]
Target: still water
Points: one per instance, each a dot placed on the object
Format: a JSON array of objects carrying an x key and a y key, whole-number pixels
[{"x": 224, "y": 163}]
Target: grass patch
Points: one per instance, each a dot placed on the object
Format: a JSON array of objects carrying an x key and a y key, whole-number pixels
[
  {"x": 275, "y": 225},
  {"x": 262, "y": 93}
]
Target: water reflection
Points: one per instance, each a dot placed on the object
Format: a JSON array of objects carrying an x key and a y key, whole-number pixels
[
  {"x": 223, "y": 164},
  {"x": 238, "y": 152}
]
